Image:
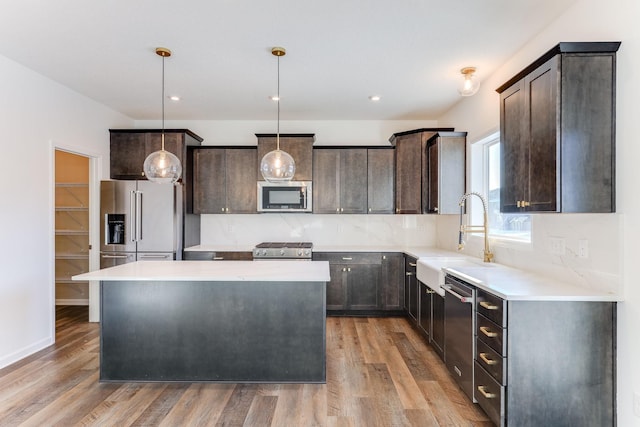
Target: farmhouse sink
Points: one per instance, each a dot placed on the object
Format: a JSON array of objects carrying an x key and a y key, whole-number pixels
[{"x": 429, "y": 270}]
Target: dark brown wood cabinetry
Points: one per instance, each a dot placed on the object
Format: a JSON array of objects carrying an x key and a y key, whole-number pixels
[
  {"x": 445, "y": 172},
  {"x": 355, "y": 281},
  {"x": 573, "y": 360},
  {"x": 411, "y": 302},
  {"x": 130, "y": 147},
  {"x": 224, "y": 180},
  {"x": 299, "y": 146},
  {"x": 557, "y": 132},
  {"x": 410, "y": 168},
  {"x": 340, "y": 180},
  {"x": 393, "y": 282},
  {"x": 218, "y": 256},
  {"x": 380, "y": 180}
]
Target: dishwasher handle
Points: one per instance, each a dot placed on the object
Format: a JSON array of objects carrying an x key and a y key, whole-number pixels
[{"x": 462, "y": 298}]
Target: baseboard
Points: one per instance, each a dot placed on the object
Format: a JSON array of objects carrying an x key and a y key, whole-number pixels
[{"x": 27, "y": 351}]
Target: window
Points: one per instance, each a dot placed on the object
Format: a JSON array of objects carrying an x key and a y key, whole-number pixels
[{"x": 486, "y": 161}]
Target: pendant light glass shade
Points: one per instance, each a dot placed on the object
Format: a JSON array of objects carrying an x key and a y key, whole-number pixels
[
  {"x": 470, "y": 84},
  {"x": 162, "y": 166},
  {"x": 278, "y": 165}
]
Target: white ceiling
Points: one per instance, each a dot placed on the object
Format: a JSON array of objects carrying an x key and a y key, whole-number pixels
[{"x": 339, "y": 52}]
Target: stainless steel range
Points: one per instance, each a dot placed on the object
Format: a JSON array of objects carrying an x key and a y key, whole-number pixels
[{"x": 283, "y": 250}]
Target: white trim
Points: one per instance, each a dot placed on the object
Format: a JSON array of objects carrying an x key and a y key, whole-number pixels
[{"x": 26, "y": 351}]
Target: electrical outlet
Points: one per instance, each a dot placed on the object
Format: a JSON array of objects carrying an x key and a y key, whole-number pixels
[
  {"x": 583, "y": 248},
  {"x": 636, "y": 404},
  {"x": 557, "y": 245}
]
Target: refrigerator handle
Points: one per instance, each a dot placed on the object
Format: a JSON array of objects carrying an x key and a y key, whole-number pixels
[
  {"x": 132, "y": 216},
  {"x": 138, "y": 215}
]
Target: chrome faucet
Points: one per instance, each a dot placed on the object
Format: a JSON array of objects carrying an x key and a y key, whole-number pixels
[{"x": 488, "y": 256}]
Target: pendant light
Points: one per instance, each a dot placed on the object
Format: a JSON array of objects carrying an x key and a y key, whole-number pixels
[
  {"x": 162, "y": 166},
  {"x": 470, "y": 85},
  {"x": 278, "y": 165}
]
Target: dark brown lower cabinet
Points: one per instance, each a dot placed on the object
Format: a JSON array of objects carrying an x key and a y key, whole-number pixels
[
  {"x": 364, "y": 282},
  {"x": 437, "y": 324},
  {"x": 218, "y": 256},
  {"x": 424, "y": 316},
  {"x": 411, "y": 289}
]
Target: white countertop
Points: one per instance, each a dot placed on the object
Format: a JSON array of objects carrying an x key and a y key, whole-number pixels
[
  {"x": 218, "y": 271},
  {"x": 505, "y": 282}
]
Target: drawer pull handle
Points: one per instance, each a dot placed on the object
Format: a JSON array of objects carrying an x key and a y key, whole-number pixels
[
  {"x": 347, "y": 258},
  {"x": 488, "y": 305},
  {"x": 486, "y": 360},
  {"x": 488, "y": 332},
  {"x": 412, "y": 264},
  {"x": 483, "y": 390},
  {"x": 218, "y": 258}
]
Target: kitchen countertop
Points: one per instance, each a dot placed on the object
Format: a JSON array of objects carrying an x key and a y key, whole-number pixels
[{"x": 219, "y": 271}]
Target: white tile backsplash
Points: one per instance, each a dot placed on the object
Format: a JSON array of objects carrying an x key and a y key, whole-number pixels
[{"x": 335, "y": 230}]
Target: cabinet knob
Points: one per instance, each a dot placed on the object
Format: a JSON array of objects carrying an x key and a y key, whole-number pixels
[
  {"x": 435, "y": 209},
  {"x": 337, "y": 209},
  {"x": 408, "y": 273}
]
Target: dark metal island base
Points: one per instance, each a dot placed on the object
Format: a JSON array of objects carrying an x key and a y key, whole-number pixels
[{"x": 240, "y": 330}]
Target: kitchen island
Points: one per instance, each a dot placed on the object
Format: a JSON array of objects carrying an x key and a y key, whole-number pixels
[{"x": 227, "y": 321}]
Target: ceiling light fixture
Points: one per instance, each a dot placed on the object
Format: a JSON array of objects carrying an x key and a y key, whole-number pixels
[
  {"x": 162, "y": 166},
  {"x": 470, "y": 85},
  {"x": 374, "y": 98},
  {"x": 278, "y": 165}
]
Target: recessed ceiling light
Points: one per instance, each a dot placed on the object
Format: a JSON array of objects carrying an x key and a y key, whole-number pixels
[
  {"x": 274, "y": 98},
  {"x": 374, "y": 98},
  {"x": 174, "y": 98}
]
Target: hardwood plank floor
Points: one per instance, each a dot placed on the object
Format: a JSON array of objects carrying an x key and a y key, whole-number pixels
[{"x": 380, "y": 372}]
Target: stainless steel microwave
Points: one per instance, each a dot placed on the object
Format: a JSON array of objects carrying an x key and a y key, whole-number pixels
[{"x": 285, "y": 196}]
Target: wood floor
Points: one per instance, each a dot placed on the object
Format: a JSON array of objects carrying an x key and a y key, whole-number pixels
[{"x": 379, "y": 373}]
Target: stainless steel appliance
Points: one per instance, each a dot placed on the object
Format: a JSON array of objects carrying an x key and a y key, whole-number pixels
[
  {"x": 139, "y": 220},
  {"x": 286, "y": 196},
  {"x": 283, "y": 250},
  {"x": 459, "y": 329}
]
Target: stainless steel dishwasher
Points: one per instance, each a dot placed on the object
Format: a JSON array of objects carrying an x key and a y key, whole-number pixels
[{"x": 459, "y": 327}]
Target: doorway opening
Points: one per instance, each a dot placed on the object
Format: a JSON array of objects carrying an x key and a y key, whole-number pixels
[{"x": 72, "y": 230}]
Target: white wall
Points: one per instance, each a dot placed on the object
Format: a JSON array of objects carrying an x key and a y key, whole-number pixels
[
  {"x": 612, "y": 238},
  {"x": 37, "y": 115}
]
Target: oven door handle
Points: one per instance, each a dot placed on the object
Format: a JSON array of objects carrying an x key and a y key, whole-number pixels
[{"x": 463, "y": 299}]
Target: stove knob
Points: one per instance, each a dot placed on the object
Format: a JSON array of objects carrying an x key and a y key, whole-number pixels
[
  {"x": 299, "y": 252},
  {"x": 264, "y": 252},
  {"x": 281, "y": 251},
  {"x": 307, "y": 252}
]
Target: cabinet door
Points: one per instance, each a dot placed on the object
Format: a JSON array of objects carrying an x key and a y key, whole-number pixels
[
  {"x": 411, "y": 288},
  {"x": 337, "y": 287},
  {"x": 513, "y": 147},
  {"x": 173, "y": 143},
  {"x": 380, "y": 181},
  {"x": 392, "y": 281},
  {"x": 541, "y": 92},
  {"x": 363, "y": 287},
  {"x": 409, "y": 174},
  {"x": 127, "y": 154},
  {"x": 209, "y": 181},
  {"x": 241, "y": 177},
  {"x": 432, "y": 189},
  {"x": 424, "y": 319},
  {"x": 326, "y": 184},
  {"x": 353, "y": 180},
  {"x": 437, "y": 323}
]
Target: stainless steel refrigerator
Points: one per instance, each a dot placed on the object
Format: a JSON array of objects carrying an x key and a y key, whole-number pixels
[{"x": 140, "y": 220}]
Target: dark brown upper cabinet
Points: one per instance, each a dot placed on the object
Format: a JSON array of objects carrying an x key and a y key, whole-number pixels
[
  {"x": 224, "y": 180},
  {"x": 129, "y": 148},
  {"x": 340, "y": 180},
  {"x": 299, "y": 146},
  {"x": 445, "y": 172},
  {"x": 380, "y": 180},
  {"x": 557, "y": 131},
  {"x": 410, "y": 168}
]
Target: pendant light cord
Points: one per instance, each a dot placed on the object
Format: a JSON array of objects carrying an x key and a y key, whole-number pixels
[
  {"x": 278, "y": 95},
  {"x": 162, "y": 104}
]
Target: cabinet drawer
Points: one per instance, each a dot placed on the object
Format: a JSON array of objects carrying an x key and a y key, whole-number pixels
[
  {"x": 491, "y": 334},
  {"x": 349, "y": 257},
  {"x": 489, "y": 394},
  {"x": 491, "y": 361},
  {"x": 492, "y": 307}
]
